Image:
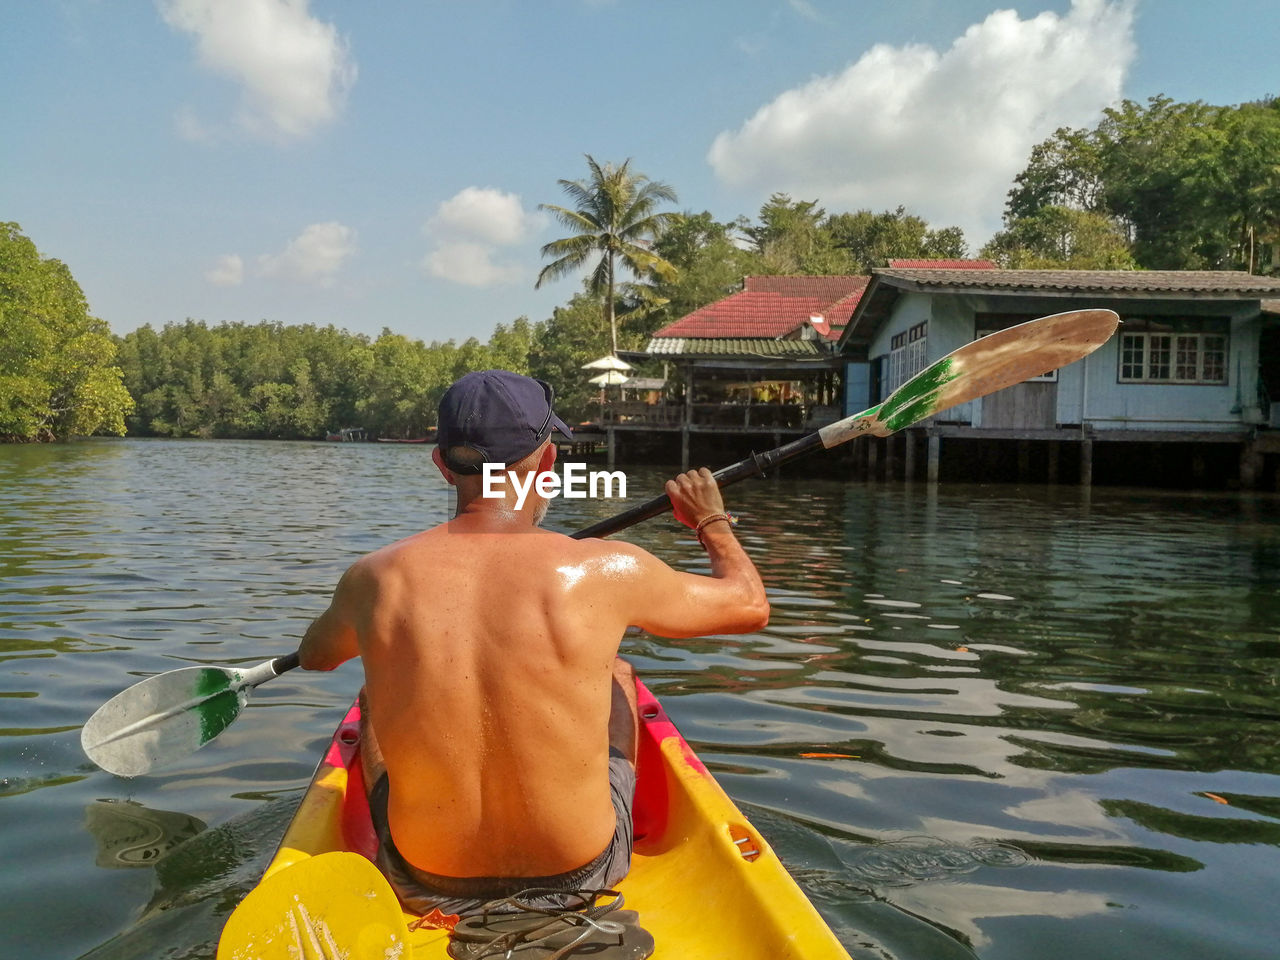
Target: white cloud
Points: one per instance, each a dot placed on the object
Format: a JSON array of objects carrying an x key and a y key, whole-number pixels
[
  {"x": 941, "y": 133},
  {"x": 471, "y": 264},
  {"x": 314, "y": 256},
  {"x": 482, "y": 213},
  {"x": 227, "y": 272},
  {"x": 192, "y": 128},
  {"x": 294, "y": 70},
  {"x": 805, "y": 9},
  {"x": 470, "y": 228}
]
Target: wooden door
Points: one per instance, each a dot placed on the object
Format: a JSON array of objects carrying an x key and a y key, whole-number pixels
[{"x": 1027, "y": 406}]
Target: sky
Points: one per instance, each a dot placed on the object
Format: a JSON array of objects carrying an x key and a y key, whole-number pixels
[{"x": 381, "y": 164}]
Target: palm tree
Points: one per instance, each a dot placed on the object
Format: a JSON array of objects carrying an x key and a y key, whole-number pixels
[{"x": 614, "y": 216}]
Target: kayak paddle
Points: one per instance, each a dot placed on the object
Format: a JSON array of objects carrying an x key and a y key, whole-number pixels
[
  {"x": 165, "y": 717},
  {"x": 979, "y": 368},
  {"x": 327, "y": 907}
]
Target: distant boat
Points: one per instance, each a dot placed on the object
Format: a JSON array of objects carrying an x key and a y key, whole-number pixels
[{"x": 347, "y": 435}]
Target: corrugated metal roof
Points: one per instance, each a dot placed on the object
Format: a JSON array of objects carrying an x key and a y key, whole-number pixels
[
  {"x": 726, "y": 347},
  {"x": 1203, "y": 282},
  {"x": 645, "y": 383},
  {"x": 942, "y": 264}
]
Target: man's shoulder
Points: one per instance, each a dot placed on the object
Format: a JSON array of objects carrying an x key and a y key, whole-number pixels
[
  {"x": 616, "y": 555},
  {"x": 393, "y": 555}
]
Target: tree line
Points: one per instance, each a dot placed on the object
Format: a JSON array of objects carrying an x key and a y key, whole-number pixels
[
  {"x": 1161, "y": 185},
  {"x": 58, "y": 377}
]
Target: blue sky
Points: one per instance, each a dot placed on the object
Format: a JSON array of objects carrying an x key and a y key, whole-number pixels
[{"x": 380, "y": 164}]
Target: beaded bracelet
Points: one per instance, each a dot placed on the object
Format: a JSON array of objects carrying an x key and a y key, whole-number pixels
[{"x": 728, "y": 518}]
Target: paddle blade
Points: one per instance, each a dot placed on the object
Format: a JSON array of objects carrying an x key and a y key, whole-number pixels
[
  {"x": 163, "y": 718},
  {"x": 998, "y": 360},
  {"x": 331, "y": 906}
]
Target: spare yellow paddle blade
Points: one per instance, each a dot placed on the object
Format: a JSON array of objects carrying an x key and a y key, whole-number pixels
[{"x": 335, "y": 906}]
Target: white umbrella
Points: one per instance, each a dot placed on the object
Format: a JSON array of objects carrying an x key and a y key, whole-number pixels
[
  {"x": 607, "y": 363},
  {"x": 610, "y": 378}
]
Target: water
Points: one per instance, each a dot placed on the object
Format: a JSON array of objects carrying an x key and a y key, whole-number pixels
[{"x": 1022, "y": 723}]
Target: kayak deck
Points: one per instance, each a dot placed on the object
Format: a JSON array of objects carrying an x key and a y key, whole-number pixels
[{"x": 705, "y": 883}]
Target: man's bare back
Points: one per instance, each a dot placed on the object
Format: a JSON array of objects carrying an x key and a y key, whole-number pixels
[
  {"x": 489, "y": 651},
  {"x": 488, "y": 664}
]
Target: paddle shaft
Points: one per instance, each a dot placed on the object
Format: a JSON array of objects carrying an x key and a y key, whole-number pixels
[{"x": 752, "y": 466}]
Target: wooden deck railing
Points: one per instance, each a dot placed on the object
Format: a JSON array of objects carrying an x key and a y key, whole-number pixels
[{"x": 729, "y": 415}]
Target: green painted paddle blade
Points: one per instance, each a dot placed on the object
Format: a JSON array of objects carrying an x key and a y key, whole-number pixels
[
  {"x": 163, "y": 718},
  {"x": 996, "y": 361}
]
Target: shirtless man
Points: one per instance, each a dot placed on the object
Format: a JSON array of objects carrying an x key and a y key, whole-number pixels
[{"x": 505, "y": 722}]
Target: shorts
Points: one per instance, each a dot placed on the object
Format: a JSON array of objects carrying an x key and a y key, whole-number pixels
[{"x": 421, "y": 892}]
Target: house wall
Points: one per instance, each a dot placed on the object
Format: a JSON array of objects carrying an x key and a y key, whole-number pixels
[
  {"x": 1089, "y": 391},
  {"x": 1110, "y": 404},
  {"x": 857, "y": 388}
]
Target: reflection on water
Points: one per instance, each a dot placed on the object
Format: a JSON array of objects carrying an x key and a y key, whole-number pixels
[
  {"x": 130, "y": 835},
  {"x": 196, "y": 885},
  {"x": 1081, "y": 685}
]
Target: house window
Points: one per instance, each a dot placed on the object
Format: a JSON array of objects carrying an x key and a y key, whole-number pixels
[
  {"x": 907, "y": 351},
  {"x": 1173, "y": 358}
]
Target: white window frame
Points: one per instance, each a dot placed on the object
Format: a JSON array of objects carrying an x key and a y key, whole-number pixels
[
  {"x": 908, "y": 353},
  {"x": 1172, "y": 357}
]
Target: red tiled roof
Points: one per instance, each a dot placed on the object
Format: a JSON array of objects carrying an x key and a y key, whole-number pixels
[
  {"x": 824, "y": 288},
  {"x": 942, "y": 264},
  {"x": 773, "y": 307}
]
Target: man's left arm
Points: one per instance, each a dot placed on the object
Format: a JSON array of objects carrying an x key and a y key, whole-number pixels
[{"x": 331, "y": 639}]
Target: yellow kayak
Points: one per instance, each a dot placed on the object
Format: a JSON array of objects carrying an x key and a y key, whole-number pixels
[{"x": 704, "y": 882}]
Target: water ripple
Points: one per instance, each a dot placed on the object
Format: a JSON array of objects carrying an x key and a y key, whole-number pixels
[{"x": 954, "y": 681}]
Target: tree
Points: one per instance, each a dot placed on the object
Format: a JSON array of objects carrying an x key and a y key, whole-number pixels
[
  {"x": 58, "y": 376},
  {"x": 509, "y": 346},
  {"x": 798, "y": 237},
  {"x": 268, "y": 380},
  {"x": 1061, "y": 238},
  {"x": 791, "y": 238},
  {"x": 562, "y": 344},
  {"x": 1164, "y": 169},
  {"x": 710, "y": 263},
  {"x": 615, "y": 216},
  {"x": 873, "y": 239},
  {"x": 398, "y": 396},
  {"x": 1191, "y": 185},
  {"x": 1063, "y": 171},
  {"x": 1252, "y": 132}
]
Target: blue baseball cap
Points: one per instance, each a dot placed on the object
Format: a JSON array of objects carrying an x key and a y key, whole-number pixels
[{"x": 501, "y": 415}]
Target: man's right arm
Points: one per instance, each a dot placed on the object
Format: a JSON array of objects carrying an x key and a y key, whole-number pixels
[{"x": 731, "y": 600}]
